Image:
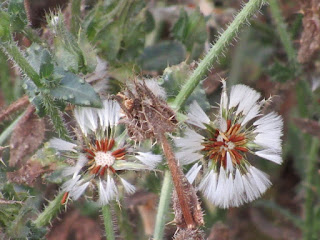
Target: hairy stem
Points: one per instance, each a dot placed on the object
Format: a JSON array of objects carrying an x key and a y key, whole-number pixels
[
  {"x": 216, "y": 51},
  {"x": 163, "y": 207},
  {"x": 310, "y": 191},
  {"x": 75, "y": 14},
  {"x": 15, "y": 54},
  {"x": 49, "y": 212},
  {"x": 282, "y": 31},
  {"x": 107, "y": 219},
  {"x": 177, "y": 175}
]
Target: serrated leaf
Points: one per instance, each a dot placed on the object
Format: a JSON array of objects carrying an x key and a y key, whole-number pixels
[
  {"x": 280, "y": 72},
  {"x": 34, "y": 96},
  {"x": 191, "y": 31},
  {"x": 75, "y": 90},
  {"x": 179, "y": 29},
  {"x": 159, "y": 56},
  {"x": 35, "y": 55}
]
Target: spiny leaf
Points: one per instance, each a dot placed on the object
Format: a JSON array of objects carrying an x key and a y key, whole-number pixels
[{"x": 75, "y": 90}]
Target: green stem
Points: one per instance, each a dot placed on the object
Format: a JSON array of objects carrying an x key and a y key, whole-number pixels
[
  {"x": 310, "y": 191},
  {"x": 75, "y": 14},
  {"x": 49, "y": 212},
  {"x": 163, "y": 207},
  {"x": 282, "y": 31},
  {"x": 107, "y": 219},
  {"x": 6, "y": 133},
  {"x": 15, "y": 54},
  {"x": 217, "y": 50}
]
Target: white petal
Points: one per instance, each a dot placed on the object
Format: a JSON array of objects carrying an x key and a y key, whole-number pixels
[
  {"x": 274, "y": 156},
  {"x": 221, "y": 194},
  {"x": 244, "y": 97},
  {"x": 193, "y": 172},
  {"x": 270, "y": 140},
  {"x": 107, "y": 191},
  {"x": 229, "y": 163},
  {"x": 224, "y": 97},
  {"x": 62, "y": 145},
  {"x": 188, "y": 156},
  {"x": 149, "y": 159},
  {"x": 261, "y": 179},
  {"x": 86, "y": 118},
  {"x": 254, "y": 112},
  {"x": 197, "y": 116},
  {"x": 69, "y": 185},
  {"x": 191, "y": 139},
  {"x": 208, "y": 185},
  {"x": 223, "y": 124},
  {"x": 82, "y": 160},
  {"x": 78, "y": 190},
  {"x": 109, "y": 115},
  {"x": 128, "y": 187}
]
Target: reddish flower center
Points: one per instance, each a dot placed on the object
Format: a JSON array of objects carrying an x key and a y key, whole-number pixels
[
  {"x": 102, "y": 157},
  {"x": 231, "y": 141}
]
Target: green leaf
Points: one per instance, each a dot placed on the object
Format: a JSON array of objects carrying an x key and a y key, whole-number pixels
[
  {"x": 75, "y": 90},
  {"x": 34, "y": 96},
  {"x": 191, "y": 30},
  {"x": 174, "y": 77},
  {"x": 5, "y": 33},
  {"x": 161, "y": 55},
  {"x": 18, "y": 17},
  {"x": 180, "y": 28},
  {"x": 46, "y": 65},
  {"x": 280, "y": 72},
  {"x": 109, "y": 40}
]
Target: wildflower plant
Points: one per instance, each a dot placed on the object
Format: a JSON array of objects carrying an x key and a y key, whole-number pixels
[
  {"x": 223, "y": 144},
  {"x": 109, "y": 125},
  {"x": 102, "y": 156}
]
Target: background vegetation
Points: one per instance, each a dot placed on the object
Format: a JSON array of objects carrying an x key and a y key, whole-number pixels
[{"x": 45, "y": 55}]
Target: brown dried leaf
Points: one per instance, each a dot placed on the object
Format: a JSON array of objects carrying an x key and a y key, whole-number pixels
[
  {"x": 310, "y": 38},
  {"x": 26, "y": 137},
  {"x": 308, "y": 126},
  {"x": 27, "y": 174}
]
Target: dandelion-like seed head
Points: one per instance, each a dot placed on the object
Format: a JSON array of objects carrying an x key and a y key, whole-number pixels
[
  {"x": 102, "y": 156},
  {"x": 225, "y": 143}
]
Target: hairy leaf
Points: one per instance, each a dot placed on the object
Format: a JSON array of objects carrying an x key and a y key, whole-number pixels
[{"x": 75, "y": 90}]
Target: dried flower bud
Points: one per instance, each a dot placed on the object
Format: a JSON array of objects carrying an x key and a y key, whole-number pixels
[
  {"x": 188, "y": 234},
  {"x": 147, "y": 113}
]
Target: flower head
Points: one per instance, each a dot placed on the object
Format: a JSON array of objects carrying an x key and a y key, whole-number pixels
[
  {"x": 224, "y": 144},
  {"x": 103, "y": 154}
]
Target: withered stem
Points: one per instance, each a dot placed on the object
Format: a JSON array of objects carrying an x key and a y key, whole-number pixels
[
  {"x": 21, "y": 103},
  {"x": 177, "y": 176}
]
